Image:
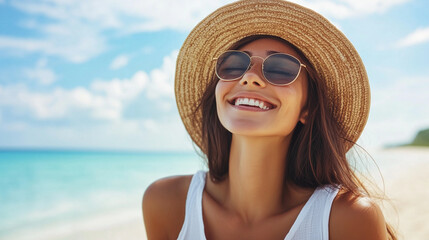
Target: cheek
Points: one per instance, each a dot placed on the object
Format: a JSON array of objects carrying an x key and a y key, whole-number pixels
[
  {"x": 222, "y": 88},
  {"x": 220, "y": 92},
  {"x": 299, "y": 94},
  {"x": 294, "y": 100}
]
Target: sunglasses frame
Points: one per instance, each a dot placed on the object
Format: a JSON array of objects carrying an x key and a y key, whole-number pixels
[{"x": 262, "y": 65}]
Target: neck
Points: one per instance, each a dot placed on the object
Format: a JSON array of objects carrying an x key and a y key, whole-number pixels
[{"x": 256, "y": 176}]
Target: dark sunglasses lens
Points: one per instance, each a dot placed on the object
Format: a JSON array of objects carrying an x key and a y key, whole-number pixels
[
  {"x": 232, "y": 65},
  {"x": 281, "y": 69}
]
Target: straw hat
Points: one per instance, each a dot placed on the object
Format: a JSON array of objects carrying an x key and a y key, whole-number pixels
[{"x": 332, "y": 55}]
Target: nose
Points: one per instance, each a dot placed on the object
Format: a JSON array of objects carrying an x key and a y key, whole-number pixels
[{"x": 253, "y": 77}]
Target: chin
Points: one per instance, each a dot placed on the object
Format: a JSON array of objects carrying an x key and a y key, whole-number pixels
[{"x": 250, "y": 130}]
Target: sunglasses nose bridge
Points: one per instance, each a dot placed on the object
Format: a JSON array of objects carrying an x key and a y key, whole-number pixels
[
  {"x": 253, "y": 76},
  {"x": 252, "y": 64}
]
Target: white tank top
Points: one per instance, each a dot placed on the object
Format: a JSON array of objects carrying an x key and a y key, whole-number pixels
[{"x": 312, "y": 222}]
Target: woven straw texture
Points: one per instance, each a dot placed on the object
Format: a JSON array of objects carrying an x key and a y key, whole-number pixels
[{"x": 328, "y": 50}]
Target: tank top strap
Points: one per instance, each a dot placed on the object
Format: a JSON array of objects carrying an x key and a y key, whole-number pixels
[
  {"x": 330, "y": 193},
  {"x": 193, "y": 225},
  {"x": 313, "y": 220}
]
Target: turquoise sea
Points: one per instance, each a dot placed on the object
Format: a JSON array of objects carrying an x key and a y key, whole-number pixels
[{"x": 40, "y": 189}]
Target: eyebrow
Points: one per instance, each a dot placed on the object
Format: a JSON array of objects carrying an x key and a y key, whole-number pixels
[{"x": 269, "y": 52}]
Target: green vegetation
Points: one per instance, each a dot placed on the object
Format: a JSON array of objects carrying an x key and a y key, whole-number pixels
[{"x": 421, "y": 139}]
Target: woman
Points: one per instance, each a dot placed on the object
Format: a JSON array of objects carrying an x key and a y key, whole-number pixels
[{"x": 274, "y": 96}]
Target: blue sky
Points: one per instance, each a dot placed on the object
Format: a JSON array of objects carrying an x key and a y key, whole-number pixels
[{"x": 99, "y": 74}]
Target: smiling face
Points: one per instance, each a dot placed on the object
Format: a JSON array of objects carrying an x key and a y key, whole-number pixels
[{"x": 251, "y": 106}]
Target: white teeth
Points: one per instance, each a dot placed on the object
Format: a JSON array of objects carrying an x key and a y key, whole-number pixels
[{"x": 251, "y": 102}]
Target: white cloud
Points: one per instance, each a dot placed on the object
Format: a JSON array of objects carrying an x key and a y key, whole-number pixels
[
  {"x": 350, "y": 8},
  {"x": 143, "y": 134},
  {"x": 373, "y": 6},
  {"x": 180, "y": 15},
  {"x": 124, "y": 89},
  {"x": 77, "y": 30},
  {"x": 329, "y": 8},
  {"x": 126, "y": 15},
  {"x": 41, "y": 73},
  {"x": 104, "y": 100},
  {"x": 76, "y": 43},
  {"x": 119, "y": 62},
  {"x": 151, "y": 125},
  {"x": 162, "y": 79},
  {"x": 59, "y": 104},
  {"x": 419, "y": 36},
  {"x": 61, "y": 34},
  {"x": 21, "y": 43}
]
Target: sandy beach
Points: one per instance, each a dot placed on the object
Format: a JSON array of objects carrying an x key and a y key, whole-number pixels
[
  {"x": 404, "y": 171},
  {"x": 406, "y": 184}
]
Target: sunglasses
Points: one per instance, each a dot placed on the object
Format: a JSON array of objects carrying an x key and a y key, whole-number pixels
[{"x": 279, "y": 69}]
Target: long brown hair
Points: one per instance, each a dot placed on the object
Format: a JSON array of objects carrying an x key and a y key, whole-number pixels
[{"x": 317, "y": 152}]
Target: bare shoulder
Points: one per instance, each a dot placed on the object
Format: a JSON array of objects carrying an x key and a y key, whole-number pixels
[
  {"x": 163, "y": 207},
  {"x": 356, "y": 217}
]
